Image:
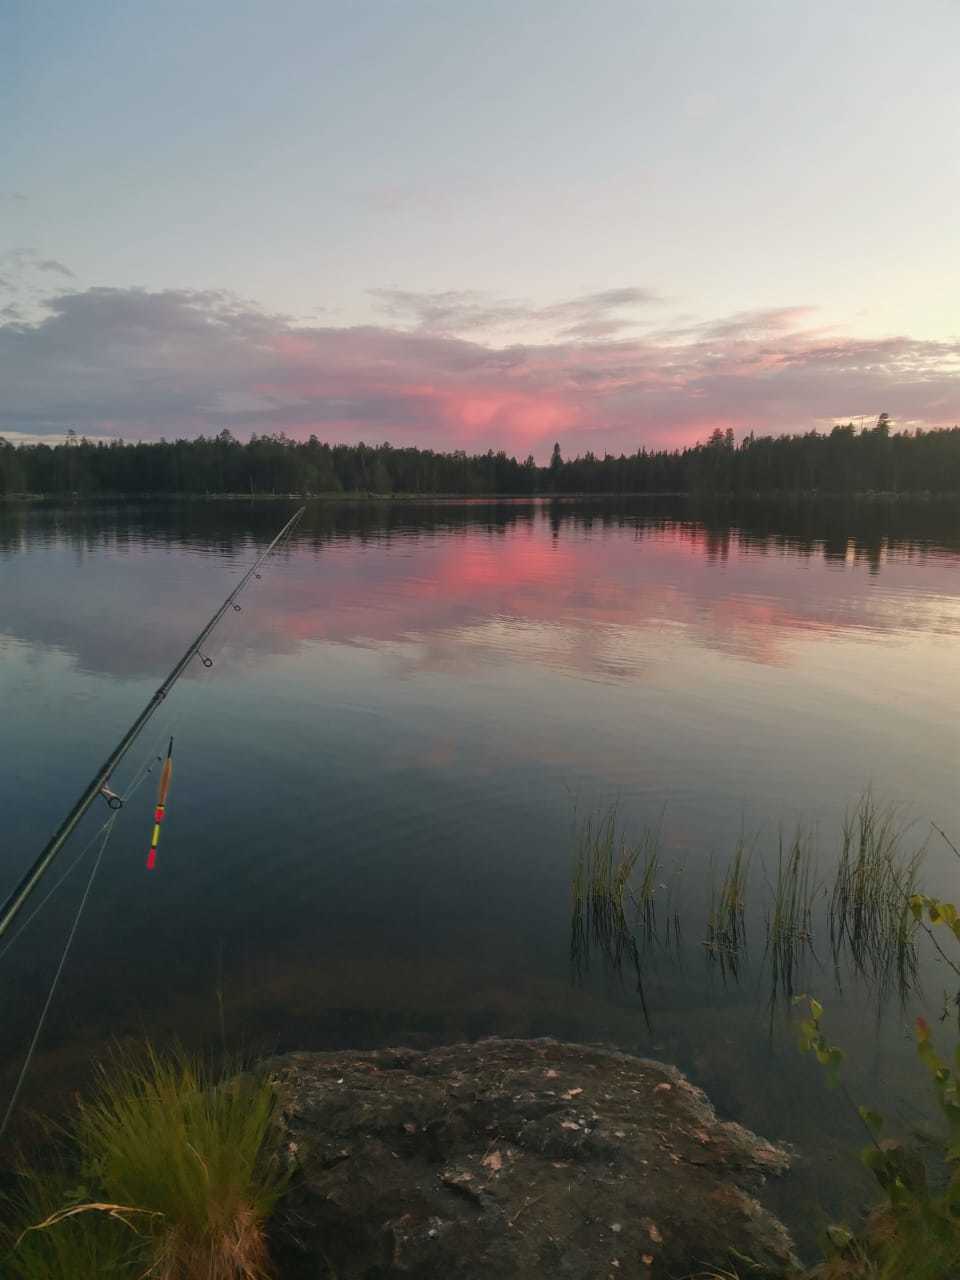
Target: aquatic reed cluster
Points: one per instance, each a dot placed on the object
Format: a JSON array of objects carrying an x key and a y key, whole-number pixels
[{"x": 627, "y": 904}]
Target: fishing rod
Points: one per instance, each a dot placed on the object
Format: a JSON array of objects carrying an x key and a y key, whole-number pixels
[{"x": 99, "y": 786}]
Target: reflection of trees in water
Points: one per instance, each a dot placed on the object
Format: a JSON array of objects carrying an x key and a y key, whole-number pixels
[{"x": 835, "y": 530}]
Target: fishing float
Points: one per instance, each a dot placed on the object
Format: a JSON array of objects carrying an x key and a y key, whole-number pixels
[{"x": 100, "y": 784}]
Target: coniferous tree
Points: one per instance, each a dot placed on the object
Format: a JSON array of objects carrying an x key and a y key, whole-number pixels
[{"x": 841, "y": 461}]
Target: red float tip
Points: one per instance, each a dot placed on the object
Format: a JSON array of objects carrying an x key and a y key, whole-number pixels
[{"x": 151, "y": 859}]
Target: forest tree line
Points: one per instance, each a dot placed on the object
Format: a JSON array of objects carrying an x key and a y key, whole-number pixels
[{"x": 844, "y": 460}]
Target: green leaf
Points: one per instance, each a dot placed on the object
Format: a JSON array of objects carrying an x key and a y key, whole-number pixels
[
  {"x": 835, "y": 1060},
  {"x": 928, "y": 1056},
  {"x": 840, "y": 1238},
  {"x": 872, "y": 1119}
]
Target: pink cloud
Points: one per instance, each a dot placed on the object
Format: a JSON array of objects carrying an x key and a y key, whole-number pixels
[{"x": 179, "y": 363}]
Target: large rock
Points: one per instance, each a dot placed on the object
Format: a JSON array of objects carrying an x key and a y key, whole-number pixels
[{"x": 515, "y": 1158}]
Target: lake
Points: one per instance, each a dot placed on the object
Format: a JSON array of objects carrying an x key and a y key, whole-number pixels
[{"x": 376, "y": 785}]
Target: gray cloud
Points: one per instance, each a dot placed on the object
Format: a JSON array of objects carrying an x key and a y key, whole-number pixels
[
  {"x": 23, "y": 281},
  {"x": 55, "y": 267},
  {"x": 136, "y": 363},
  {"x": 746, "y": 325},
  {"x": 590, "y": 315},
  {"x": 450, "y": 311}
]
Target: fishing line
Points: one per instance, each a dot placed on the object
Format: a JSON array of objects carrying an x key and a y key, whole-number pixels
[
  {"x": 172, "y": 724},
  {"x": 186, "y": 710},
  {"x": 135, "y": 785},
  {"x": 41, "y": 864},
  {"x": 100, "y": 787},
  {"x": 109, "y": 825},
  {"x": 209, "y": 656}
]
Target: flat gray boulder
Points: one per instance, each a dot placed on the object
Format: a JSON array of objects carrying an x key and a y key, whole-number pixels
[{"x": 515, "y": 1158}]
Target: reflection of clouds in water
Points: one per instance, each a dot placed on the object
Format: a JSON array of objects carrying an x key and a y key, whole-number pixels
[
  {"x": 601, "y": 601},
  {"x": 606, "y": 607},
  {"x": 329, "y": 808}
]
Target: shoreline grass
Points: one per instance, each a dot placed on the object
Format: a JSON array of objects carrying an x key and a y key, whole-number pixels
[{"x": 174, "y": 1177}]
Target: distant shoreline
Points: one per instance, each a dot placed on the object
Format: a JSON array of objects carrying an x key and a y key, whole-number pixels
[{"x": 364, "y": 496}]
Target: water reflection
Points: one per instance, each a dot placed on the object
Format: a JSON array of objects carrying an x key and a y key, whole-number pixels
[
  {"x": 597, "y": 591},
  {"x": 370, "y": 834}
]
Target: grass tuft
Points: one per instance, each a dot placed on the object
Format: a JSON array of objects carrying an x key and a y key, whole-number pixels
[
  {"x": 726, "y": 940},
  {"x": 181, "y": 1175},
  {"x": 870, "y": 917},
  {"x": 602, "y": 888},
  {"x": 790, "y": 917},
  {"x": 78, "y": 1246}
]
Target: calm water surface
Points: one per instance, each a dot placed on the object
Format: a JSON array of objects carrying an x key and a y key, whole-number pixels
[{"x": 369, "y": 831}]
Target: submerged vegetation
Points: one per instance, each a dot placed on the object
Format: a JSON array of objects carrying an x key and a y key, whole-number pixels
[
  {"x": 859, "y": 915},
  {"x": 790, "y": 918},
  {"x": 614, "y": 889},
  {"x": 168, "y": 1171},
  {"x": 874, "y": 916},
  {"x": 870, "y": 918},
  {"x": 726, "y": 938},
  {"x": 171, "y": 1170}
]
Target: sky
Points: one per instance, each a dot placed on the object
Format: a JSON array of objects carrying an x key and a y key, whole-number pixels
[{"x": 479, "y": 225}]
